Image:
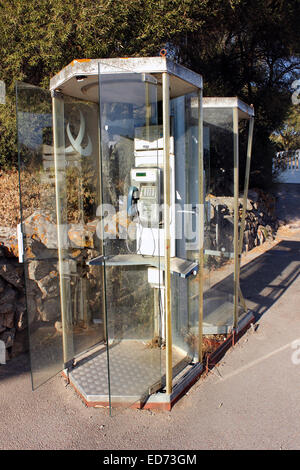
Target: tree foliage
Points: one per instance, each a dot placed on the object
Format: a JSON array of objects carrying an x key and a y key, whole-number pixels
[
  {"x": 287, "y": 137},
  {"x": 248, "y": 48}
]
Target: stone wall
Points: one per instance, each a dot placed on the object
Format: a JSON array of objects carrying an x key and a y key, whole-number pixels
[
  {"x": 42, "y": 280},
  {"x": 13, "y": 318},
  {"x": 260, "y": 223}
]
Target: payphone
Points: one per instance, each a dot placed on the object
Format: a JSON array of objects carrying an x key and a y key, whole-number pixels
[
  {"x": 147, "y": 182},
  {"x": 145, "y": 195}
]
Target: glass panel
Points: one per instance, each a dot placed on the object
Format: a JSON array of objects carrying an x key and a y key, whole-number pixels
[
  {"x": 73, "y": 164},
  {"x": 185, "y": 292},
  {"x": 131, "y": 185},
  {"x": 78, "y": 197},
  {"x": 219, "y": 249},
  {"x": 245, "y": 147},
  {"x": 38, "y": 209}
]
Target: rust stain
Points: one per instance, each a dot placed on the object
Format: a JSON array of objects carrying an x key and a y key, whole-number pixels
[{"x": 78, "y": 60}]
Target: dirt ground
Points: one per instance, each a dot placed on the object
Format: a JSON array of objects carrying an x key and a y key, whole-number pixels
[{"x": 251, "y": 400}]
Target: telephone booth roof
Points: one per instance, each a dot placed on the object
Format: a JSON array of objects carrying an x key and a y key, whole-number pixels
[
  {"x": 244, "y": 110},
  {"x": 75, "y": 78}
]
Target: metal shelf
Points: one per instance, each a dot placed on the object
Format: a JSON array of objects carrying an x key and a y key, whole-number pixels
[{"x": 182, "y": 267}]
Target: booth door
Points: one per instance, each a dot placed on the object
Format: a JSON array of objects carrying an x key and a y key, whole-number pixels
[
  {"x": 134, "y": 304},
  {"x": 59, "y": 187}
]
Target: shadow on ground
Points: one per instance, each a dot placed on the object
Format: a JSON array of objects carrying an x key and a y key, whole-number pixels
[
  {"x": 16, "y": 366},
  {"x": 287, "y": 202},
  {"x": 265, "y": 279}
]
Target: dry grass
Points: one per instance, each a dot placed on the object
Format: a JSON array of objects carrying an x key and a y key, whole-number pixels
[
  {"x": 10, "y": 214},
  {"x": 37, "y": 194},
  {"x": 9, "y": 199}
]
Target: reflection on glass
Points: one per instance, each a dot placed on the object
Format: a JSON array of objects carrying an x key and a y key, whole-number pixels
[
  {"x": 74, "y": 171},
  {"x": 219, "y": 251},
  {"x": 38, "y": 208},
  {"x": 78, "y": 187},
  {"x": 245, "y": 146},
  {"x": 185, "y": 292},
  {"x": 128, "y": 115}
]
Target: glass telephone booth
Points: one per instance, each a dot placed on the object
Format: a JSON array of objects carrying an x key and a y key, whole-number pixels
[{"x": 121, "y": 248}]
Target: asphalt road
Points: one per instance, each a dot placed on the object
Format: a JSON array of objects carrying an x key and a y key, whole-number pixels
[{"x": 250, "y": 401}]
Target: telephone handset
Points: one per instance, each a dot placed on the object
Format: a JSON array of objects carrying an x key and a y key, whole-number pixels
[{"x": 132, "y": 199}]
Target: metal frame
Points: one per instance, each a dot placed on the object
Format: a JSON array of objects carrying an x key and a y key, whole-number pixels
[
  {"x": 243, "y": 218},
  {"x": 100, "y": 189},
  {"x": 167, "y": 199},
  {"x": 59, "y": 159},
  {"x": 236, "y": 213},
  {"x": 201, "y": 223},
  {"x": 246, "y": 184},
  {"x": 241, "y": 111},
  {"x": 166, "y": 157}
]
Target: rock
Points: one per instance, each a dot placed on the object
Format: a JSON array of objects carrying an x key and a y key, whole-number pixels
[
  {"x": 42, "y": 228},
  {"x": 49, "y": 309},
  {"x": 261, "y": 235},
  {"x": 13, "y": 273},
  {"x": 9, "y": 241},
  {"x": 76, "y": 254},
  {"x": 36, "y": 249},
  {"x": 7, "y": 296},
  {"x": 39, "y": 269},
  {"x": 49, "y": 285},
  {"x": 6, "y": 309},
  {"x": 21, "y": 314},
  {"x": 248, "y": 204},
  {"x": 21, "y": 320},
  {"x": 81, "y": 236},
  {"x": 261, "y": 222},
  {"x": 8, "y": 337},
  {"x": 32, "y": 308},
  {"x": 7, "y": 320},
  {"x": 58, "y": 326},
  {"x": 3, "y": 285},
  {"x": 11, "y": 248},
  {"x": 21, "y": 303},
  {"x": 268, "y": 228}
]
